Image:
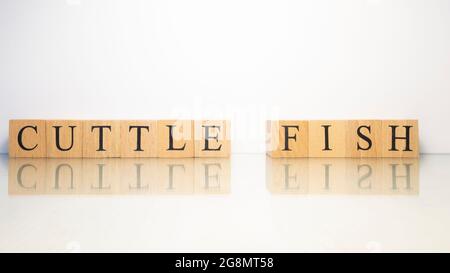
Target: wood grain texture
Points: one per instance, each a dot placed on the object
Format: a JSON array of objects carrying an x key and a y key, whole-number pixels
[
  {"x": 101, "y": 138},
  {"x": 175, "y": 138},
  {"x": 327, "y": 138},
  {"x": 212, "y": 138},
  {"x": 400, "y": 147},
  {"x": 287, "y": 138},
  {"x": 138, "y": 138},
  {"x": 64, "y": 138},
  {"x": 364, "y": 138},
  {"x": 27, "y": 138}
]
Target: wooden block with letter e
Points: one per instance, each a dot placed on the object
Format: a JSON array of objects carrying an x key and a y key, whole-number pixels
[
  {"x": 287, "y": 138},
  {"x": 27, "y": 138},
  {"x": 64, "y": 138},
  {"x": 327, "y": 138},
  {"x": 364, "y": 138},
  {"x": 175, "y": 138},
  {"x": 400, "y": 138},
  {"x": 212, "y": 138},
  {"x": 101, "y": 138},
  {"x": 138, "y": 138}
]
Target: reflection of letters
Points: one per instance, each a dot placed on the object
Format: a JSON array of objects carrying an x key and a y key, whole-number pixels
[
  {"x": 171, "y": 168},
  {"x": 100, "y": 179},
  {"x": 19, "y": 176},
  {"x": 138, "y": 179},
  {"x": 288, "y": 178},
  {"x": 395, "y": 176},
  {"x": 364, "y": 177},
  {"x": 57, "y": 175},
  {"x": 209, "y": 176}
]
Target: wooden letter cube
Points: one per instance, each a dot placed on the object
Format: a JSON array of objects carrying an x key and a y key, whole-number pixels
[
  {"x": 64, "y": 138},
  {"x": 327, "y": 138},
  {"x": 400, "y": 138},
  {"x": 138, "y": 138},
  {"x": 175, "y": 138},
  {"x": 27, "y": 138},
  {"x": 212, "y": 138},
  {"x": 101, "y": 138},
  {"x": 287, "y": 138},
  {"x": 364, "y": 138}
]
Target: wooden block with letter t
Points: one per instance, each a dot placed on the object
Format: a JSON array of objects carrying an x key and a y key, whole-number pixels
[
  {"x": 175, "y": 138},
  {"x": 101, "y": 138},
  {"x": 138, "y": 138},
  {"x": 27, "y": 138},
  {"x": 327, "y": 138},
  {"x": 212, "y": 138},
  {"x": 287, "y": 138},
  {"x": 400, "y": 138},
  {"x": 364, "y": 138},
  {"x": 64, "y": 138}
]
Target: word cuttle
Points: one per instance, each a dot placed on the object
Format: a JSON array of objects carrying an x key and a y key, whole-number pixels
[
  {"x": 115, "y": 138},
  {"x": 342, "y": 138}
]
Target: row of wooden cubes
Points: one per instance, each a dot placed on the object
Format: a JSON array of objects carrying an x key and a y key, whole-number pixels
[
  {"x": 342, "y": 138},
  {"x": 115, "y": 138}
]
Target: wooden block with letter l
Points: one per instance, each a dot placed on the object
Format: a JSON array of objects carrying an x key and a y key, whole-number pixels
[
  {"x": 175, "y": 138},
  {"x": 400, "y": 138},
  {"x": 364, "y": 138},
  {"x": 212, "y": 138},
  {"x": 327, "y": 138},
  {"x": 138, "y": 138},
  {"x": 101, "y": 138},
  {"x": 64, "y": 138},
  {"x": 27, "y": 138},
  {"x": 287, "y": 138}
]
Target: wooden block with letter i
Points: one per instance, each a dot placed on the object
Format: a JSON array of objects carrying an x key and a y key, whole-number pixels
[
  {"x": 364, "y": 138},
  {"x": 101, "y": 138},
  {"x": 27, "y": 138},
  {"x": 175, "y": 138},
  {"x": 64, "y": 138},
  {"x": 327, "y": 138},
  {"x": 212, "y": 138},
  {"x": 400, "y": 138},
  {"x": 287, "y": 138},
  {"x": 138, "y": 138}
]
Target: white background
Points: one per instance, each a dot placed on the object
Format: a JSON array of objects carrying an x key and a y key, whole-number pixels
[{"x": 243, "y": 60}]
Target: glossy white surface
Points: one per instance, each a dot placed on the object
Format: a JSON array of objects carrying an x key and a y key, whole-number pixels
[{"x": 249, "y": 209}]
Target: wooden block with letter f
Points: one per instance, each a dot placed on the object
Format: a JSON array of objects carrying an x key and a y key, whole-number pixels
[
  {"x": 175, "y": 138},
  {"x": 287, "y": 138},
  {"x": 212, "y": 138}
]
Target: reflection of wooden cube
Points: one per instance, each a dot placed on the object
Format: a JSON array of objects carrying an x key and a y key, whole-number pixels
[
  {"x": 138, "y": 138},
  {"x": 287, "y": 175},
  {"x": 175, "y": 176},
  {"x": 212, "y": 138},
  {"x": 364, "y": 175},
  {"x": 212, "y": 175},
  {"x": 101, "y": 138},
  {"x": 26, "y": 176},
  {"x": 27, "y": 138},
  {"x": 364, "y": 138},
  {"x": 101, "y": 176},
  {"x": 400, "y": 138},
  {"x": 327, "y": 176},
  {"x": 64, "y": 176},
  {"x": 138, "y": 175},
  {"x": 64, "y": 138},
  {"x": 287, "y": 138},
  {"x": 327, "y": 138},
  {"x": 400, "y": 176},
  {"x": 175, "y": 138}
]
